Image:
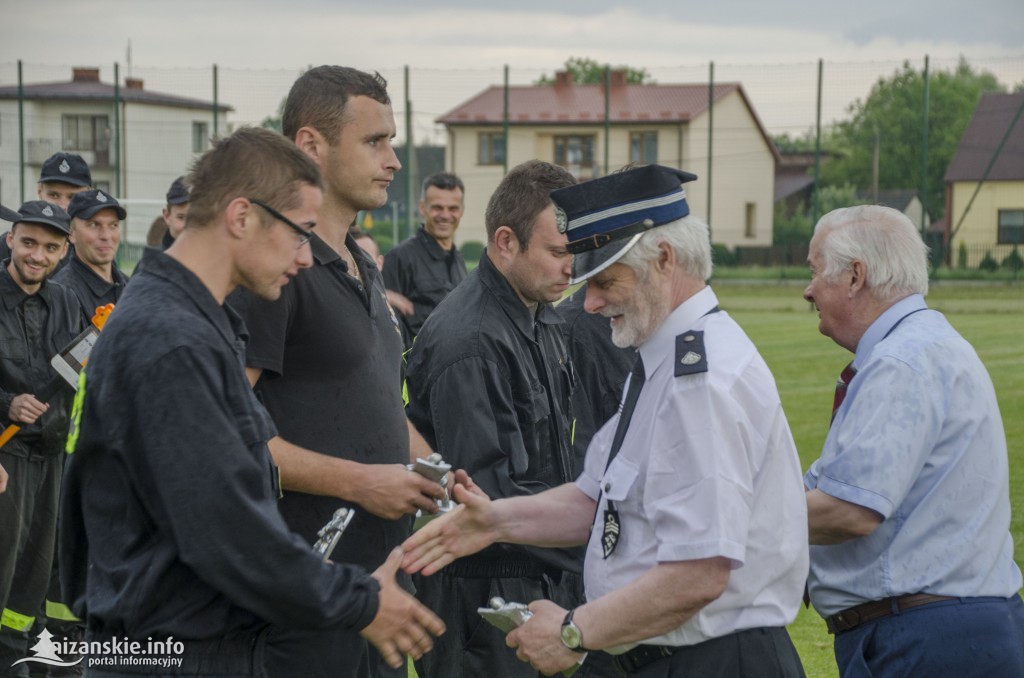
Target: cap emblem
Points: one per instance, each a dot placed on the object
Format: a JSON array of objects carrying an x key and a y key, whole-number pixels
[
  {"x": 64, "y": 167},
  {"x": 561, "y": 219},
  {"x": 100, "y": 197},
  {"x": 47, "y": 211}
]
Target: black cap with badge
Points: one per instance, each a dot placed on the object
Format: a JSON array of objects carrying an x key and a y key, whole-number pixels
[
  {"x": 85, "y": 204},
  {"x": 603, "y": 218},
  {"x": 39, "y": 212},
  {"x": 178, "y": 194},
  {"x": 67, "y": 168}
]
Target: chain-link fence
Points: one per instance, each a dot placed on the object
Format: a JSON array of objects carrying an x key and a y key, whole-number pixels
[{"x": 786, "y": 98}]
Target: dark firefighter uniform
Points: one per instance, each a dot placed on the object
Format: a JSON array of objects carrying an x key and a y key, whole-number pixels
[
  {"x": 424, "y": 272},
  {"x": 91, "y": 290},
  {"x": 33, "y": 328},
  {"x": 170, "y": 524},
  {"x": 489, "y": 386}
]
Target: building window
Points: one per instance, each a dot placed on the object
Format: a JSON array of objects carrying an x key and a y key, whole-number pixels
[
  {"x": 643, "y": 147},
  {"x": 750, "y": 228},
  {"x": 1011, "y": 227},
  {"x": 576, "y": 154},
  {"x": 491, "y": 148},
  {"x": 200, "y": 136},
  {"x": 85, "y": 132}
]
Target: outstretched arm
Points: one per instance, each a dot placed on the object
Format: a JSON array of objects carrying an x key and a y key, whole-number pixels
[{"x": 558, "y": 517}]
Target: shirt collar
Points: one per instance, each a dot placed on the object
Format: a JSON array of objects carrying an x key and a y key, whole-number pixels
[
  {"x": 883, "y": 325},
  {"x": 510, "y": 302},
  {"x": 11, "y": 295},
  {"x": 660, "y": 346},
  {"x": 322, "y": 252},
  {"x": 432, "y": 247},
  {"x": 223, "y": 317},
  {"x": 98, "y": 285}
]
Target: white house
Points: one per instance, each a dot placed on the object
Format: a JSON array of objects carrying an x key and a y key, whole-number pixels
[
  {"x": 564, "y": 123},
  {"x": 156, "y": 134}
]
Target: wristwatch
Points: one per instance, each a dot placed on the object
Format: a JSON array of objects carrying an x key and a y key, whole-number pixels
[{"x": 572, "y": 637}]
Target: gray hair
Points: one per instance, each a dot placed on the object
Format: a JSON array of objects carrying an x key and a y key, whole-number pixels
[
  {"x": 687, "y": 236},
  {"x": 884, "y": 239}
]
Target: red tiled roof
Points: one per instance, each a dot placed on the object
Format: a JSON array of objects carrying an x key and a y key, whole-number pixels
[
  {"x": 575, "y": 104},
  {"x": 981, "y": 139}
]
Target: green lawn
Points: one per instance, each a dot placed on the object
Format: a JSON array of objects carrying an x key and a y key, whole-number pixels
[{"x": 805, "y": 365}]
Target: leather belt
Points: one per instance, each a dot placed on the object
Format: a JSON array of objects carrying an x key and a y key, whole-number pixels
[
  {"x": 640, "y": 656},
  {"x": 853, "y": 617}
]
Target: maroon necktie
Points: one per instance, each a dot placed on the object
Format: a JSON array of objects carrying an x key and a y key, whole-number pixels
[{"x": 844, "y": 380}]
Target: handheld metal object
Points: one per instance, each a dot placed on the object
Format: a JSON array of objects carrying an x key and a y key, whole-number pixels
[
  {"x": 436, "y": 469},
  {"x": 331, "y": 532},
  {"x": 506, "y": 616}
]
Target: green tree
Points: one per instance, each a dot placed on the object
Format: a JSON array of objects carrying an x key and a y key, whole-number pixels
[
  {"x": 587, "y": 71},
  {"x": 797, "y": 229},
  {"x": 804, "y": 143},
  {"x": 892, "y": 111}
]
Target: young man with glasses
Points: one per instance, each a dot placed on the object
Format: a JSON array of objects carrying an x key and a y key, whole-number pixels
[{"x": 171, "y": 492}]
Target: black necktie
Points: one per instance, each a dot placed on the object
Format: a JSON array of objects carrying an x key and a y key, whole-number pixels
[
  {"x": 844, "y": 381},
  {"x": 610, "y": 534},
  {"x": 628, "y": 405}
]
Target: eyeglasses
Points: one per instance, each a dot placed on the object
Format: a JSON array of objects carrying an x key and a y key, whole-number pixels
[{"x": 304, "y": 235}]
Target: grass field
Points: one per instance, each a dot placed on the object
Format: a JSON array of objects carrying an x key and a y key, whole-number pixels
[{"x": 805, "y": 365}]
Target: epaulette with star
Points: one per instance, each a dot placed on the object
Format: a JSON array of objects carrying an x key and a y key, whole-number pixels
[{"x": 691, "y": 358}]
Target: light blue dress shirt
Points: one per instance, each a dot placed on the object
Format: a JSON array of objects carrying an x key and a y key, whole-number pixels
[{"x": 920, "y": 440}]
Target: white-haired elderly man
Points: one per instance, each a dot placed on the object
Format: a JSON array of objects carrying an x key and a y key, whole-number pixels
[
  {"x": 690, "y": 499},
  {"x": 912, "y": 557}
]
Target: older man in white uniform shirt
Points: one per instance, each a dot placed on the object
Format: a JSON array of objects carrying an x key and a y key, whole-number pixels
[{"x": 690, "y": 499}]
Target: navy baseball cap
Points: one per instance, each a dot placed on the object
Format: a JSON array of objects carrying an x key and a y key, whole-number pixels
[
  {"x": 39, "y": 212},
  {"x": 67, "y": 168},
  {"x": 85, "y": 204},
  {"x": 603, "y": 218},
  {"x": 178, "y": 194}
]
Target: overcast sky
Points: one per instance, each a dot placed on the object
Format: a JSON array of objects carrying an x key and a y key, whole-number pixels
[
  {"x": 659, "y": 35},
  {"x": 481, "y": 33}
]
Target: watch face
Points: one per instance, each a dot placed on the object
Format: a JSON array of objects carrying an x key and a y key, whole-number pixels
[{"x": 571, "y": 636}]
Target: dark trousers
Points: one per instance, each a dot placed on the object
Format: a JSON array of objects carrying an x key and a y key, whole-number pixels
[
  {"x": 470, "y": 647},
  {"x": 753, "y": 653},
  {"x": 327, "y": 653},
  {"x": 962, "y": 637},
  {"x": 55, "y": 616},
  {"x": 28, "y": 522}
]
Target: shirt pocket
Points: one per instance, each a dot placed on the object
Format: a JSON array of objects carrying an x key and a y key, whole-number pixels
[
  {"x": 13, "y": 351},
  {"x": 533, "y": 413},
  {"x": 255, "y": 435},
  {"x": 618, "y": 481}
]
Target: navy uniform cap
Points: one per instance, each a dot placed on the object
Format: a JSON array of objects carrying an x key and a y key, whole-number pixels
[
  {"x": 603, "y": 218},
  {"x": 39, "y": 212},
  {"x": 85, "y": 204},
  {"x": 67, "y": 168},
  {"x": 178, "y": 194}
]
